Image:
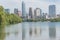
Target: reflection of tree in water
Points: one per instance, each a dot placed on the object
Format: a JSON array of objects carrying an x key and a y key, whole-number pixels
[
  {"x": 2, "y": 32},
  {"x": 30, "y": 31}
]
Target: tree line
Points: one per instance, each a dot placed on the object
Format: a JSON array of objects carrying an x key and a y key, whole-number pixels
[{"x": 8, "y": 18}]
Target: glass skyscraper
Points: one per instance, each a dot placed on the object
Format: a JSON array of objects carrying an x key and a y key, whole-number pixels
[
  {"x": 23, "y": 10},
  {"x": 52, "y": 11}
]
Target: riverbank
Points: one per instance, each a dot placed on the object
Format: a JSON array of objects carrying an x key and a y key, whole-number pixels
[
  {"x": 6, "y": 19},
  {"x": 42, "y": 20}
]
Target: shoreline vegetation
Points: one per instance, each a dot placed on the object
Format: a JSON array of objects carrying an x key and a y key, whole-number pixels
[
  {"x": 43, "y": 20},
  {"x": 7, "y": 19}
]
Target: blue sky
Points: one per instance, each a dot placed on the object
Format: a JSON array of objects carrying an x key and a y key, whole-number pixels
[{"x": 43, "y": 4}]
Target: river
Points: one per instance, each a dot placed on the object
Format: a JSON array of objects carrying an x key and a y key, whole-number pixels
[{"x": 33, "y": 31}]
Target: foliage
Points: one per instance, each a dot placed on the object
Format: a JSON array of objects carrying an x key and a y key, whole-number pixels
[{"x": 6, "y": 18}]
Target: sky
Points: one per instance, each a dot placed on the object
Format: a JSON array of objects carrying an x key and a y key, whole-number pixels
[{"x": 42, "y": 4}]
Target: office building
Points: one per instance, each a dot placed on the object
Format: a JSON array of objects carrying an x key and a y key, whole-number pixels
[
  {"x": 23, "y": 10},
  {"x": 30, "y": 13},
  {"x": 44, "y": 15},
  {"x": 38, "y": 13},
  {"x": 19, "y": 14},
  {"x": 7, "y": 10},
  {"x": 52, "y": 11},
  {"x": 15, "y": 10}
]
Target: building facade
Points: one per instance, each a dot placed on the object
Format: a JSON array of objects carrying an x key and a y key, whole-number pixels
[
  {"x": 30, "y": 13},
  {"x": 52, "y": 11},
  {"x": 38, "y": 13},
  {"x": 15, "y": 10},
  {"x": 23, "y": 10},
  {"x": 7, "y": 10}
]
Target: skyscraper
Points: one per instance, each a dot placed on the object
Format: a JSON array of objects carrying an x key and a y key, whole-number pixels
[
  {"x": 7, "y": 10},
  {"x": 35, "y": 14},
  {"x": 52, "y": 11},
  {"x": 30, "y": 13},
  {"x": 23, "y": 10},
  {"x": 16, "y": 10}
]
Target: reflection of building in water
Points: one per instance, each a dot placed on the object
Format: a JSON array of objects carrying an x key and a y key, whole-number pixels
[
  {"x": 38, "y": 30},
  {"x": 23, "y": 31},
  {"x": 35, "y": 31},
  {"x": 30, "y": 31},
  {"x": 52, "y": 30}
]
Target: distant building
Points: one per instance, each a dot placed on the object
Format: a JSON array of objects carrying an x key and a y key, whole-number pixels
[
  {"x": 19, "y": 14},
  {"x": 38, "y": 13},
  {"x": 44, "y": 15},
  {"x": 7, "y": 10},
  {"x": 15, "y": 10},
  {"x": 58, "y": 16},
  {"x": 30, "y": 13},
  {"x": 52, "y": 11}
]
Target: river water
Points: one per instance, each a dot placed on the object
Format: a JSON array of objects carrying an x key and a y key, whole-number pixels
[{"x": 33, "y": 31}]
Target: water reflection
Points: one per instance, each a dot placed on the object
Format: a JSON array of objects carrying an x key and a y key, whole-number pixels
[
  {"x": 23, "y": 31},
  {"x": 52, "y": 30},
  {"x": 2, "y": 32},
  {"x": 33, "y": 31},
  {"x": 30, "y": 31}
]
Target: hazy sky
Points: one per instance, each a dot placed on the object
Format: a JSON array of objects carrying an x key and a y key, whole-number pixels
[{"x": 43, "y": 4}]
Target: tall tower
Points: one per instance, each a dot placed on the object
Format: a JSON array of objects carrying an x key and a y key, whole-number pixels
[
  {"x": 23, "y": 10},
  {"x": 52, "y": 11},
  {"x": 30, "y": 13}
]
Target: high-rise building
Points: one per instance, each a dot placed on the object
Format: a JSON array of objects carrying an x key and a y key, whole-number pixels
[
  {"x": 37, "y": 13},
  {"x": 16, "y": 10},
  {"x": 30, "y": 13},
  {"x": 52, "y": 11},
  {"x": 7, "y": 10},
  {"x": 23, "y": 10}
]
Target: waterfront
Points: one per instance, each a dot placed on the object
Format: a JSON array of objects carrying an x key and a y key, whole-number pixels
[{"x": 33, "y": 31}]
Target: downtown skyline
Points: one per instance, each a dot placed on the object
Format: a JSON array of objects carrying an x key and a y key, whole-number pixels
[{"x": 35, "y": 4}]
